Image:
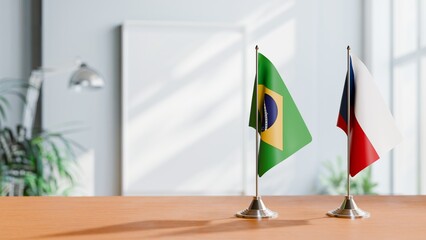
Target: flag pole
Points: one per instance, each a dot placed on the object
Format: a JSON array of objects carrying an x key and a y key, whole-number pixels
[
  {"x": 257, "y": 122},
  {"x": 348, "y": 181},
  {"x": 348, "y": 209},
  {"x": 257, "y": 208}
]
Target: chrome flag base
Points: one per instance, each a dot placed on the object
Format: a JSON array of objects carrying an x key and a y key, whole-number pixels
[
  {"x": 257, "y": 209},
  {"x": 349, "y": 209}
]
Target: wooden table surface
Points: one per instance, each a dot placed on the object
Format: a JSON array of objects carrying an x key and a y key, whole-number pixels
[{"x": 301, "y": 217}]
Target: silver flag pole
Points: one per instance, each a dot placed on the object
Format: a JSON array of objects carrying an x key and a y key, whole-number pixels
[
  {"x": 257, "y": 208},
  {"x": 348, "y": 209}
]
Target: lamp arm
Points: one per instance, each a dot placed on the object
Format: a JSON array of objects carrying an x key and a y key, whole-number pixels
[
  {"x": 83, "y": 76},
  {"x": 56, "y": 70},
  {"x": 32, "y": 97}
]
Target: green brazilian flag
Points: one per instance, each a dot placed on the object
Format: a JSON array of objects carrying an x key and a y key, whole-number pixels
[{"x": 281, "y": 127}]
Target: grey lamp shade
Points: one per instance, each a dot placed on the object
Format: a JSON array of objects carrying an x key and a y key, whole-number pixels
[{"x": 86, "y": 78}]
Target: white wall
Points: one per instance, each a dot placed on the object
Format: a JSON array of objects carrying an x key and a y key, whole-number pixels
[
  {"x": 306, "y": 40},
  {"x": 395, "y": 51},
  {"x": 377, "y": 57},
  {"x": 15, "y": 47},
  {"x": 340, "y": 23}
]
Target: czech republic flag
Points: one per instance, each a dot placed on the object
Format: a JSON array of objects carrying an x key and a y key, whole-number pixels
[{"x": 373, "y": 131}]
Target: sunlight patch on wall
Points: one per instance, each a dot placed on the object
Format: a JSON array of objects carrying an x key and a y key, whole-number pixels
[{"x": 406, "y": 116}]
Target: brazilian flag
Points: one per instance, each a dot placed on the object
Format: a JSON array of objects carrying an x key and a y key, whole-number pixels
[{"x": 281, "y": 127}]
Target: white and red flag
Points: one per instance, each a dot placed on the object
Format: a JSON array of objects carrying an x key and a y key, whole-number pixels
[{"x": 373, "y": 131}]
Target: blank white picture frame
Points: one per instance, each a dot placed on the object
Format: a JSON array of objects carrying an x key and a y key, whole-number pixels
[{"x": 183, "y": 115}]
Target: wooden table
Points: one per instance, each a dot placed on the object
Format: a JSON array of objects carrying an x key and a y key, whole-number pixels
[{"x": 301, "y": 217}]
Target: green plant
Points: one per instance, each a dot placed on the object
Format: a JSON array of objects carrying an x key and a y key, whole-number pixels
[
  {"x": 41, "y": 164},
  {"x": 335, "y": 177}
]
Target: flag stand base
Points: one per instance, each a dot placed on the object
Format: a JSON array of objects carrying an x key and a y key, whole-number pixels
[
  {"x": 349, "y": 209},
  {"x": 257, "y": 209}
]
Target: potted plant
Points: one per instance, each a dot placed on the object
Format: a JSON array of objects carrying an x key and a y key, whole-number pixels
[{"x": 36, "y": 165}]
